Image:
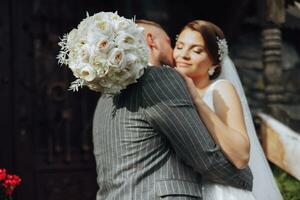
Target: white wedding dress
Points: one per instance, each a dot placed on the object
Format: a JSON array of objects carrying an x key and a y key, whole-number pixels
[
  {"x": 264, "y": 184},
  {"x": 213, "y": 191}
]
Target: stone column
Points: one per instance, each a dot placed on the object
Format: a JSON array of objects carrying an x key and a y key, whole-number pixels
[{"x": 271, "y": 42}]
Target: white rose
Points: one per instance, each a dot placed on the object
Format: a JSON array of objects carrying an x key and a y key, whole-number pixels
[
  {"x": 103, "y": 45},
  {"x": 122, "y": 25},
  {"x": 94, "y": 35},
  {"x": 72, "y": 37},
  {"x": 88, "y": 73},
  {"x": 99, "y": 63},
  {"x": 107, "y": 16},
  {"x": 96, "y": 87},
  {"x": 102, "y": 27},
  {"x": 107, "y": 52},
  {"x": 113, "y": 16},
  {"x": 76, "y": 68},
  {"x": 116, "y": 58},
  {"x": 126, "y": 41},
  {"x": 140, "y": 29},
  {"x": 81, "y": 42},
  {"x": 124, "y": 75},
  {"x": 142, "y": 51},
  {"x": 137, "y": 31},
  {"x": 73, "y": 54},
  {"x": 137, "y": 70},
  {"x": 83, "y": 24},
  {"x": 131, "y": 58},
  {"x": 83, "y": 27},
  {"x": 84, "y": 53}
]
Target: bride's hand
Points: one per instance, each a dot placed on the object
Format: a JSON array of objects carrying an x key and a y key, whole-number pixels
[{"x": 191, "y": 87}]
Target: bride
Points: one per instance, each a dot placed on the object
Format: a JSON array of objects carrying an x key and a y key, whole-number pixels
[{"x": 201, "y": 56}]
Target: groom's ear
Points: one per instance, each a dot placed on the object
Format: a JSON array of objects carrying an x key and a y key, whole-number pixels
[{"x": 150, "y": 40}]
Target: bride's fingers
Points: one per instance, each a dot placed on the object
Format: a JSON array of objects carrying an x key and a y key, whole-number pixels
[
  {"x": 181, "y": 74},
  {"x": 190, "y": 85},
  {"x": 186, "y": 78},
  {"x": 189, "y": 82}
]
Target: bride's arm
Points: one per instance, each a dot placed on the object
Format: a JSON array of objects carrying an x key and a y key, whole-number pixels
[{"x": 226, "y": 124}]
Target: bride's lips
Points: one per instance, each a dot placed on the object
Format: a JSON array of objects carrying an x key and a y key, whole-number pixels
[{"x": 183, "y": 64}]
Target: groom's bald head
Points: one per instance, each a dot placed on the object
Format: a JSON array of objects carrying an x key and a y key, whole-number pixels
[
  {"x": 158, "y": 42},
  {"x": 148, "y": 25}
]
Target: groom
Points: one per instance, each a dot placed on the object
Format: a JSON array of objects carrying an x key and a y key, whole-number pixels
[{"x": 149, "y": 142}]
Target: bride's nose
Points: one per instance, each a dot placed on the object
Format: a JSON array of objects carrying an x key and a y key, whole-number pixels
[{"x": 185, "y": 54}]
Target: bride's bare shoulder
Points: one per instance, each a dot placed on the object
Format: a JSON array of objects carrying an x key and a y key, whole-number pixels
[
  {"x": 225, "y": 89},
  {"x": 222, "y": 84}
]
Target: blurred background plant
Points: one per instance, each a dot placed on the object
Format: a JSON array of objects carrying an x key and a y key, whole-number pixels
[{"x": 288, "y": 185}]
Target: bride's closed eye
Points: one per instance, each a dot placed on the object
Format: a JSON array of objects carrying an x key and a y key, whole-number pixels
[
  {"x": 178, "y": 46},
  {"x": 198, "y": 51}
]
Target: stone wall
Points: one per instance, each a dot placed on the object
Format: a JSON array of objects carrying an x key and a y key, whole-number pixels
[{"x": 246, "y": 53}]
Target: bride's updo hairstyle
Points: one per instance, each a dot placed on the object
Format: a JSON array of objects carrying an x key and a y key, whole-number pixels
[{"x": 211, "y": 34}]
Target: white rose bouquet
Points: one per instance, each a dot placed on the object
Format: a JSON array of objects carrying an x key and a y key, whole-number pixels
[{"x": 106, "y": 53}]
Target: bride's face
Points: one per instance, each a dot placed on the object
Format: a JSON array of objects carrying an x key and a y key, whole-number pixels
[{"x": 190, "y": 54}]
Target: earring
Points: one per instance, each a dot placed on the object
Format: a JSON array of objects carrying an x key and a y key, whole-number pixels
[{"x": 211, "y": 71}]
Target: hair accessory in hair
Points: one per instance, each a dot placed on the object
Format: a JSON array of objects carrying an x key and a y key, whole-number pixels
[{"x": 223, "y": 48}]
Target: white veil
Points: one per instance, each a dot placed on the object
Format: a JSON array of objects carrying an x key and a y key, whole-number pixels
[{"x": 264, "y": 185}]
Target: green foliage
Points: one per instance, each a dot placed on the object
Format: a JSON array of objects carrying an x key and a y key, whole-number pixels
[{"x": 288, "y": 185}]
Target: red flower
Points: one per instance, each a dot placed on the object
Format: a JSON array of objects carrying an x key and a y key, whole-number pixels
[
  {"x": 2, "y": 174},
  {"x": 10, "y": 183}
]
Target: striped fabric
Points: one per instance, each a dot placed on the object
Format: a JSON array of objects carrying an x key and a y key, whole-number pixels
[{"x": 149, "y": 143}]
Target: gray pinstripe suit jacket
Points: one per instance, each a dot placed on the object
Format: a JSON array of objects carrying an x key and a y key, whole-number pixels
[{"x": 149, "y": 143}]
